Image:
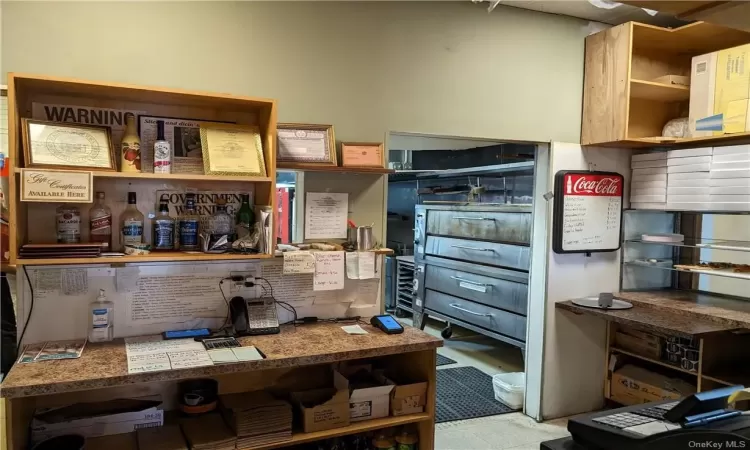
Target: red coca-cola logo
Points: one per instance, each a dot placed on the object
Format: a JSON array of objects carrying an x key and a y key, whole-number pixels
[{"x": 605, "y": 185}]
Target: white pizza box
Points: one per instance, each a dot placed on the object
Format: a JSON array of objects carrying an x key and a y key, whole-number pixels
[
  {"x": 687, "y": 176},
  {"x": 688, "y": 183},
  {"x": 648, "y": 156},
  {"x": 686, "y": 191},
  {"x": 648, "y": 198},
  {"x": 729, "y": 182},
  {"x": 688, "y": 160},
  {"x": 731, "y": 165},
  {"x": 657, "y": 205},
  {"x": 648, "y": 191},
  {"x": 732, "y": 198},
  {"x": 730, "y": 173},
  {"x": 688, "y": 198},
  {"x": 649, "y": 177},
  {"x": 689, "y": 206},
  {"x": 648, "y": 185},
  {"x": 732, "y": 149},
  {"x": 649, "y": 171},
  {"x": 730, "y": 190},
  {"x": 733, "y": 206},
  {"x": 649, "y": 163},
  {"x": 703, "y": 167},
  {"x": 688, "y": 152},
  {"x": 745, "y": 156}
]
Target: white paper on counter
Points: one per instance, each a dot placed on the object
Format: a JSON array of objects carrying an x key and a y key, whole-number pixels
[
  {"x": 325, "y": 215},
  {"x": 140, "y": 363},
  {"x": 147, "y": 345},
  {"x": 298, "y": 262},
  {"x": 190, "y": 358},
  {"x": 329, "y": 271}
]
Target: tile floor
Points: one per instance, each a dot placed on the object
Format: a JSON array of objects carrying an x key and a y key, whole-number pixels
[{"x": 512, "y": 431}]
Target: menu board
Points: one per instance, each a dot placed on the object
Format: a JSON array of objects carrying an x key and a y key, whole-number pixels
[{"x": 587, "y": 212}]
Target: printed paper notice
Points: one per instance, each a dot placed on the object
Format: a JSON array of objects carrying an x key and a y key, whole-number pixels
[
  {"x": 298, "y": 262},
  {"x": 325, "y": 215},
  {"x": 329, "y": 271},
  {"x": 170, "y": 298},
  {"x": 48, "y": 280},
  {"x": 190, "y": 358},
  {"x": 75, "y": 282},
  {"x": 360, "y": 265},
  {"x": 126, "y": 279},
  {"x": 149, "y": 345},
  {"x": 148, "y": 363},
  {"x": 152, "y": 353}
]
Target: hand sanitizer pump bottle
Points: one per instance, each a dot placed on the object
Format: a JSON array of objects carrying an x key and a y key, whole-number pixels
[{"x": 102, "y": 319}]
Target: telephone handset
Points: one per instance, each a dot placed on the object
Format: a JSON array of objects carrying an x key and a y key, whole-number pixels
[{"x": 254, "y": 316}]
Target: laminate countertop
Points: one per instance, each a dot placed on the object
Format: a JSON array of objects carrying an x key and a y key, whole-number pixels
[
  {"x": 105, "y": 365},
  {"x": 684, "y": 313}
]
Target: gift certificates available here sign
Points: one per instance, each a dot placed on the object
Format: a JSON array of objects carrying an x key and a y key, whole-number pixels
[
  {"x": 588, "y": 211},
  {"x": 65, "y": 186}
]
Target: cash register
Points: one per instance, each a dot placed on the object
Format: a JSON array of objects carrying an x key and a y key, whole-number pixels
[{"x": 704, "y": 417}]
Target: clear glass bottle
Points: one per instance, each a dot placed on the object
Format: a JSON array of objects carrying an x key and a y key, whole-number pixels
[
  {"x": 220, "y": 228},
  {"x": 163, "y": 228},
  {"x": 68, "y": 225},
  {"x": 100, "y": 223},
  {"x": 245, "y": 218},
  {"x": 130, "y": 147},
  {"x": 131, "y": 223},
  {"x": 101, "y": 320},
  {"x": 189, "y": 225}
]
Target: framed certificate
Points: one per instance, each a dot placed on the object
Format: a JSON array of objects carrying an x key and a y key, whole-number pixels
[
  {"x": 54, "y": 145},
  {"x": 232, "y": 150},
  {"x": 306, "y": 143},
  {"x": 362, "y": 154}
]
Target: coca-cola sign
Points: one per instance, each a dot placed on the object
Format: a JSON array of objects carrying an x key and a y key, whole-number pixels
[{"x": 594, "y": 185}]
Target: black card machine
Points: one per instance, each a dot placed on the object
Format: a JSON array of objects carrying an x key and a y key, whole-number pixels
[{"x": 387, "y": 324}]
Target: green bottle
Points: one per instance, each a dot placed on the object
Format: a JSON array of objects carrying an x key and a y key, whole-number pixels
[{"x": 245, "y": 218}]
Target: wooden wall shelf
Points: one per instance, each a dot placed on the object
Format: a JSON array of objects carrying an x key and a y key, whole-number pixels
[
  {"x": 177, "y": 177},
  {"x": 623, "y": 105},
  {"x": 334, "y": 169},
  {"x": 151, "y": 257}
]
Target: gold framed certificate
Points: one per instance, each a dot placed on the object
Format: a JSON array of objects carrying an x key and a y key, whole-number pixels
[
  {"x": 55, "y": 145},
  {"x": 232, "y": 150},
  {"x": 306, "y": 143},
  {"x": 362, "y": 154}
]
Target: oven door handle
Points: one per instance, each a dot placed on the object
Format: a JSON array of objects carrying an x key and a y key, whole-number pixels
[
  {"x": 477, "y": 249},
  {"x": 455, "y": 306},
  {"x": 464, "y": 280},
  {"x": 472, "y": 218}
]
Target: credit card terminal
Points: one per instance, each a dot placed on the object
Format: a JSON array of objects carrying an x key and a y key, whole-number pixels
[{"x": 387, "y": 324}]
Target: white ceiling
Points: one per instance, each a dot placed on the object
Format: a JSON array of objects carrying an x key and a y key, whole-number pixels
[{"x": 585, "y": 10}]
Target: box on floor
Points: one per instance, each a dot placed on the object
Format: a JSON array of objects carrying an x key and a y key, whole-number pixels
[{"x": 632, "y": 385}]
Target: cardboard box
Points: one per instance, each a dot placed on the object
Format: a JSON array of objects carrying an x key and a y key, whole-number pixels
[
  {"x": 730, "y": 190},
  {"x": 736, "y": 206},
  {"x": 650, "y": 345},
  {"x": 686, "y": 191},
  {"x": 689, "y": 206},
  {"x": 652, "y": 178},
  {"x": 704, "y": 197},
  {"x": 734, "y": 165},
  {"x": 370, "y": 402},
  {"x": 648, "y": 156},
  {"x": 730, "y": 173},
  {"x": 97, "y": 419},
  {"x": 688, "y": 160},
  {"x": 687, "y": 176},
  {"x": 703, "y": 167},
  {"x": 649, "y": 171},
  {"x": 732, "y": 198},
  {"x": 720, "y": 92},
  {"x": 632, "y": 385},
  {"x": 638, "y": 185},
  {"x": 731, "y": 157},
  {"x": 732, "y": 149},
  {"x": 648, "y": 191},
  {"x": 656, "y": 206},
  {"x": 714, "y": 182},
  {"x": 648, "y": 198},
  {"x": 648, "y": 163},
  {"x": 406, "y": 397},
  {"x": 688, "y": 183},
  {"x": 690, "y": 152},
  {"x": 325, "y": 408}
]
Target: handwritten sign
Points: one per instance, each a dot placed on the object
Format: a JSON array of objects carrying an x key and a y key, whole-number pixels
[
  {"x": 64, "y": 186},
  {"x": 588, "y": 211},
  {"x": 329, "y": 271},
  {"x": 298, "y": 262}
]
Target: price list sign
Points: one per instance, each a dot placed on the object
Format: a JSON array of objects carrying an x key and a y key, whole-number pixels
[{"x": 587, "y": 212}]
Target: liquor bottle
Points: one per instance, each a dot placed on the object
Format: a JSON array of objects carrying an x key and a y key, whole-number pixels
[
  {"x": 219, "y": 227},
  {"x": 245, "y": 218},
  {"x": 131, "y": 223},
  {"x": 100, "y": 223},
  {"x": 68, "y": 225},
  {"x": 162, "y": 151},
  {"x": 163, "y": 232},
  {"x": 189, "y": 224},
  {"x": 130, "y": 147}
]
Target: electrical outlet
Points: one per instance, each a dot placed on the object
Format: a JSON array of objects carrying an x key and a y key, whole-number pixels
[{"x": 236, "y": 286}]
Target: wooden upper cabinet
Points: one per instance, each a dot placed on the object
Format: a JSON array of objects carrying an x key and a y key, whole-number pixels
[
  {"x": 730, "y": 14},
  {"x": 629, "y": 89}
]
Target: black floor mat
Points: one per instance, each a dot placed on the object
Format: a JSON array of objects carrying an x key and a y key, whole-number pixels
[
  {"x": 443, "y": 360},
  {"x": 466, "y": 393}
]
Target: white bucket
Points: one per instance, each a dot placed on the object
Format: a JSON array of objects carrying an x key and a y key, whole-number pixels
[{"x": 509, "y": 388}]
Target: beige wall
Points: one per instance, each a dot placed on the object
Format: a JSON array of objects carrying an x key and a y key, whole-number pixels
[{"x": 433, "y": 67}]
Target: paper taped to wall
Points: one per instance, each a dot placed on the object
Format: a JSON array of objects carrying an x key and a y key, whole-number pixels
[
  {"x": 170, "y": 298},
  {"x": 329, "y": 271},
  {"x": 360, "y": 265},
  {"x": 75, "y": 282},
  {"x": 299, "y": 262}
]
